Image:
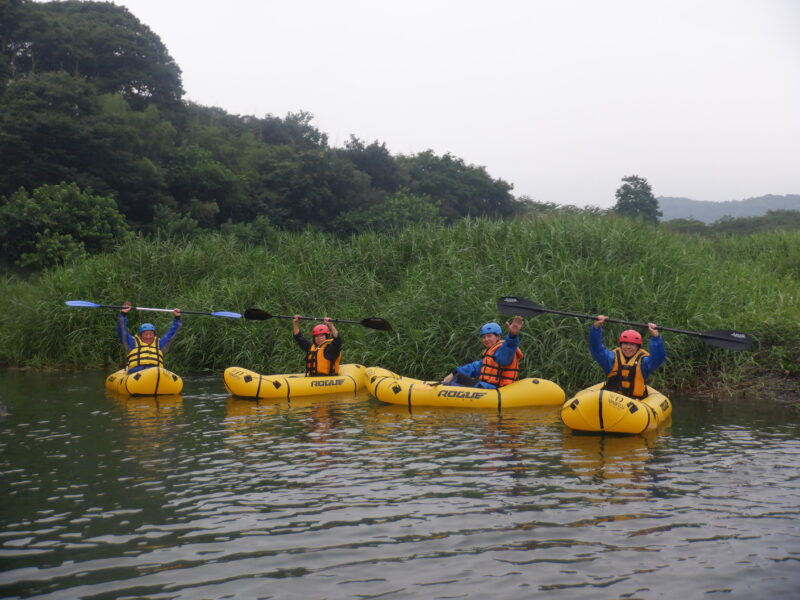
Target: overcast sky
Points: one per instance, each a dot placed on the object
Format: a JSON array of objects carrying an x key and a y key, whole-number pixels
[{"x": 561, "y": 98}]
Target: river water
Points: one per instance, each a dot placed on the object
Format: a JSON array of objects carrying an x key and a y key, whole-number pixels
[{"x": 206, "y": 496}]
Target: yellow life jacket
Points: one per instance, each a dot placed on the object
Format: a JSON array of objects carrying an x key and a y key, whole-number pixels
[
  {"x": 494, "y": 373},
  {"x": 145, "y": 355},
  {"x": 626, "y": 376},
  {"x": 317, "y": 364}
]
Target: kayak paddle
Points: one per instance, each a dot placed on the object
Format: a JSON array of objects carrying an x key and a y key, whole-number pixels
[
  {"x": 256, "y": 314},
  {"x": 721, "y": 338},
  {"x": 85, "y": 304}
]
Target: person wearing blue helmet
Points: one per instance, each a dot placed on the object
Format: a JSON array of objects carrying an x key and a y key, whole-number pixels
[
  {"x": 499, "y": 364},
  {"x": 145, "y": 350}
]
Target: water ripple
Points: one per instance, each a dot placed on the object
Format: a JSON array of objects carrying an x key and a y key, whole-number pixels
[{"x": 212, "y": 497}]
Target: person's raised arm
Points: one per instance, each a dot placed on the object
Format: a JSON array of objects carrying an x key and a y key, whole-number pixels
[{"x": 122, "y": 327}]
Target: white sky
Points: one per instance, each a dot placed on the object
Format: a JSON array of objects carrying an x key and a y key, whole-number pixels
[{"x": 561, "y": 98}]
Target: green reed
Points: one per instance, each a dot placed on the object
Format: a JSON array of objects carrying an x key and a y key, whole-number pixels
[{"x": 436, "y": 286}]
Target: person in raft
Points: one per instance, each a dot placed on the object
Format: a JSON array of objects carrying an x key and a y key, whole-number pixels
[
  {"x": 628, "y": 366},
  {"x": 324, "y": 353},
  {"x": 499, "y": 364},
  {"x": 145, "y": 350}
]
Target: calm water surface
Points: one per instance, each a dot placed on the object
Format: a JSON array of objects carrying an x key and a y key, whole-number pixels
[{"x": 206, "y": 496}]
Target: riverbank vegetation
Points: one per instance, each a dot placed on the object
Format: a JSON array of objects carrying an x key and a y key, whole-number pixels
[{"x": 436, "y": 285}]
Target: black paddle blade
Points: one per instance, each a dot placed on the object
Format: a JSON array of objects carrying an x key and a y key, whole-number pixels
[
  {"x": 513, "y": 306},
  {"x": 730, "y": 340},
  {"x": 376, "y": 323},
  {"x": 256, "y": 314}
]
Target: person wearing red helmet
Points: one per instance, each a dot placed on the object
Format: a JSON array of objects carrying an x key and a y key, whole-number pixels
[
  {"x": 628, "y": 366},
  {"x": 324, "y": 352}
]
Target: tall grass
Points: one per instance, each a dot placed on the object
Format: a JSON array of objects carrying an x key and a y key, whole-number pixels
[{"x": 436, "y": 286}]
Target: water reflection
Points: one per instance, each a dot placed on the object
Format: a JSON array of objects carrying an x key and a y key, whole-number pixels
[
  {"x": 476, "y": 442},
  {"x": 311, "y": 420},
  {"x": 145, "y": 412},
  {"x": 503, "y": 427},
  {"x": 213, "y": 497},
  {"x": 150, "y": 422},
  {"x": 611, "y": 467}
]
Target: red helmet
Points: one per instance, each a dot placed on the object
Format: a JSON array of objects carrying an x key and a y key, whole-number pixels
[
  {"x": 629, "y": 336},
  {"x": 320, "y": 329}
]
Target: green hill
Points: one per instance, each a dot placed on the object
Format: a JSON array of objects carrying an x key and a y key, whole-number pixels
[{"x": 708, "y": 212}]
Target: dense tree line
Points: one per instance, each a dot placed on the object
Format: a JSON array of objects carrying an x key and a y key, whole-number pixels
[
  {"x": 774, "y": 220},
  {"x": 90, "y": 96}
]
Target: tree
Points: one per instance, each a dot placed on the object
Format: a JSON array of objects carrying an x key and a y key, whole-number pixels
[
  {"x": 56, "y": 223},
  {"x": 307, "y": 188},
  {"x": 296, "y": 130},
  {"x": 463, "y": 190},
  {"x": 47, "y": 132},
  {"x": 635, "y": 200},
  {"x": 376, "y": 161},
  {"x": 774, "y": 220},
  {"x": 686, "y": 226},
  {"x": 199, "y": 183},
  {"x": 98, "y": 41},
  {"x": 392, "y": 213}
]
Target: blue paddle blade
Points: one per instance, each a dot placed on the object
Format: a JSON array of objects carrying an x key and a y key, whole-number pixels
[{"x": 82, "y": 303}]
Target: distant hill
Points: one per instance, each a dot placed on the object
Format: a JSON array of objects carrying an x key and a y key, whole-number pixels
[{"x": 708, "y": 212}]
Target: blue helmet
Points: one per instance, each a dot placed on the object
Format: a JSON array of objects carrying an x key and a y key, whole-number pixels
[
  {"x": 490, "y": 328},
  {"x": 146, "y": 327}
]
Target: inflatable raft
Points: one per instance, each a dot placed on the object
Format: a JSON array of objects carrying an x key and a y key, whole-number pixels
[
  {"x": 249, "y": 384},
  {"x": 597, "y": 410},
  {"x": 394, "y": 389},
  {"x": 155, "y": 381}
]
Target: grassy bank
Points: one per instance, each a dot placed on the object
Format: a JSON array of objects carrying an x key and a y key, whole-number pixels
[{"x": 436, "y": 286}]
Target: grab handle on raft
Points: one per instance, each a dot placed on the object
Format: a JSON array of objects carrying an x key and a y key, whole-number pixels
[
  {"x": 720, "y": 338},
  {"x": 256, "y": 314},
  {"x": 222, "y": 313}
]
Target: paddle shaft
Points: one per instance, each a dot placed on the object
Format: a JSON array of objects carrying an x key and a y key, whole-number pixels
[
  {"x": 610, "y": 320},
  {"x": 86, "y": 304},
  {"x": 302, "y": 318},
  {"x": 732, "y": 340},
  {"x": 169, "y": 310},
  {"x": 256, "y": 314},
  {"x": 316, "y": 319}
]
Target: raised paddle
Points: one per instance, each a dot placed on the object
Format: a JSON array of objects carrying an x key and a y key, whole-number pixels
[
  {"x": 85, "y": 304},
  {"x": 721, "y": 338},
  {"x": 256, "y": 314}
]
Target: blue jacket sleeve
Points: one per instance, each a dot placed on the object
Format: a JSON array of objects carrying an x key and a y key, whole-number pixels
[
  {"x": 505, "y": 353},
  {"x": 602, "y": 355},
  {"x": 472, "y": 369},
  {"x": 122, "y": 332},
  {"x": 658, "y": 354},
  {"x": 165, "y": 341}
]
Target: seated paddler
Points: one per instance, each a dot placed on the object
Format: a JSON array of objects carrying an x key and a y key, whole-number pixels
[
  {"x": 627, "y": 366},
  {"x": 499, "y": 363},
  {"x": 324, "y": 352},
  {"x": 145, "y": 349}
]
